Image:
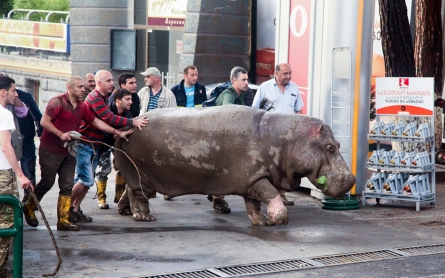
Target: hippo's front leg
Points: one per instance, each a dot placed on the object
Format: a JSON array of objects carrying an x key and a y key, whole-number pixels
[
  {"x": 140, "y": 207},
  {"x": 265, "y": 192},
  {"x": 253, "y": 208}
]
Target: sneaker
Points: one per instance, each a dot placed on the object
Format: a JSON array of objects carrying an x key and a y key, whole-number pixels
[{"x": 82, "y": 217}]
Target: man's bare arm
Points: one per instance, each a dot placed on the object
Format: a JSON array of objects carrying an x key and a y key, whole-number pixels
[
  {"x": 8, "y": 151},
  {"x": 47, "y": 124},
  {"x": 105, "y": 127}
]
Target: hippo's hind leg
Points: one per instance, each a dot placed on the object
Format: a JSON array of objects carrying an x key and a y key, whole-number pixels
[
  {"x": 265, "y": 192},
  {"x": 140, "y": 207},
  {"x": 258, "y": 218}
]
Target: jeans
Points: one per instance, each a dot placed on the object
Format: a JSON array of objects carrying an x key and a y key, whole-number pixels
[{"x": 87, "y": 160}]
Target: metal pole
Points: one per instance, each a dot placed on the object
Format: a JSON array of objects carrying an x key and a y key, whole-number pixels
[{"x": 16, "y": 232}]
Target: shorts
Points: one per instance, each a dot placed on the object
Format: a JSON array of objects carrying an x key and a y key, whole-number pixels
[{"x": 87, "y": 160}]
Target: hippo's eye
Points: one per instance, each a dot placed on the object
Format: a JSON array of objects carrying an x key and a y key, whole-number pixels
[{"x": 330, "y": 148}]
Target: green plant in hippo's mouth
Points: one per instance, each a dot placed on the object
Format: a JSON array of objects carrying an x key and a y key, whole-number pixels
[{"x": 323, "y": 180}]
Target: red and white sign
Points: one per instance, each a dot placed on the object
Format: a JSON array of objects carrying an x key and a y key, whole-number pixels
[
  {"x": 405, "y": 96},
  {"x": 166, "y": 12},
  {"x": 299, "y": 35}
]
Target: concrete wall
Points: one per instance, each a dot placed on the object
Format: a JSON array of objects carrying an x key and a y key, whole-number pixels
[
  {"x": 216, "y": 38},
  {"x": 91, "y": 22},
  {"x": 43, "y": 78}
]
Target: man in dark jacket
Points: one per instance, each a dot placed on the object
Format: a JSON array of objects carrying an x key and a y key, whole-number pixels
[
  {"x": 189, "y": 93},
  {"x": 27, "y": 127},
  {"x": 127, "y": 80}
]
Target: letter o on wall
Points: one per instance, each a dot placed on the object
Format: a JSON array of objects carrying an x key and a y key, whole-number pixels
[{"x": 293, "y": 21}]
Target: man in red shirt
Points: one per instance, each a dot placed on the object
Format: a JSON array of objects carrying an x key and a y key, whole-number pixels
[
  {"x": 87, "y": 157},
  {"x": 63, "y": 114}
]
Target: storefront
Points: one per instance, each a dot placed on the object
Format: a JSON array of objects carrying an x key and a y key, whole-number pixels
[{"x": 161, "y": 28}]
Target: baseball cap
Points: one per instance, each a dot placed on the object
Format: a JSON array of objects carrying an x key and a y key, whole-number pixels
[{"x": 151, "y": 71}]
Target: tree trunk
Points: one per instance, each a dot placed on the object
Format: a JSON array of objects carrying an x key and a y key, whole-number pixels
[
  {"x": 429, "y": 53},
  {"x": 397, "y": 44},
  {"x": 398, "y": 50}
]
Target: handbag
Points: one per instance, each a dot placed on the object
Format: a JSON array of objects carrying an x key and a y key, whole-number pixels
[
  {"x": 39, "y": 128},
  {"x": 16, "y": 137}
]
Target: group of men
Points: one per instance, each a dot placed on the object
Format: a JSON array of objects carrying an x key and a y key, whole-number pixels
[{"x": 89, "y": 107}]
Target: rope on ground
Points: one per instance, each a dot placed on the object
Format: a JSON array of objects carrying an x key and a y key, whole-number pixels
[
  {"x": 71, "y": 147},
  {"x": 51, "y": 235}
]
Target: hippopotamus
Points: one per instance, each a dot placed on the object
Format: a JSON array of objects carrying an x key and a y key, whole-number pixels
[{"x": 230, "y": 150}]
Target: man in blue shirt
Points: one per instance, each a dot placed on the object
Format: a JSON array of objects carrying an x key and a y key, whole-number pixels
[
  {"x": 189, "y": 93},
  {"x": 281, "y": 96}
]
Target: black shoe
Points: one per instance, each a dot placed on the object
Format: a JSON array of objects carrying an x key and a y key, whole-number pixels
[
  {"x": 82, "y": 217},
  {"x": 221, "y": 206},
  {"x": 73, "y": 216},
  {"x": 168, "y": 198},
  {"x": 286, "y": 202}
]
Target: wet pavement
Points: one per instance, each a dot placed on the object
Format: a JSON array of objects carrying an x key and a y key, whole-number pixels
[{"x": 188, "y": 235}]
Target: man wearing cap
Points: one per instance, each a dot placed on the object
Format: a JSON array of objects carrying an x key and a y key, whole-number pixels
[{"x": 155, "y": 95}]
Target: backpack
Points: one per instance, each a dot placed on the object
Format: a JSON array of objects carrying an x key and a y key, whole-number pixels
[
  {"x": 16, "y": 137},
  {"x": 214, "y": 94}
]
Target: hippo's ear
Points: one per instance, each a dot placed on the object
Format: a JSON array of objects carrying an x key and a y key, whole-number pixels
[{"x": 316, "y": 130}]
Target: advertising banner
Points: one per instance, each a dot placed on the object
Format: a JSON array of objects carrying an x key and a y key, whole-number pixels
[
  {"x": 167, "y": 12},
  {"x": 299, "y": 35},
  {"x": 405, "y": 96},
  {"x": 35, "y": 35}
]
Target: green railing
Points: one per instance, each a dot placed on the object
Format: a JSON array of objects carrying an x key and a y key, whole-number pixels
[{"x": 16, "y": 232}]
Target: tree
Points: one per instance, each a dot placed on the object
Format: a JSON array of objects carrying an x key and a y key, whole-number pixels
[
  {"x": 5, "y": 7},
  {"x": 50, "y": 5},
  {"x": 398, "y": 50},
  {"x": 428, "y": 52},
  {"x": 397, "y": 43}
]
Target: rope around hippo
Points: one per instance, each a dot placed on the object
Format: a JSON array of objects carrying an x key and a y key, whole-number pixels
[
  {"x": 134, "y": 164},
  {"x": 55, "y": 272}
]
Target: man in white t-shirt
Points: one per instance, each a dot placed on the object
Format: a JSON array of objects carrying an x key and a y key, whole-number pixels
[
  {"x": 280, "y": 95},
  {"x": 10, "y": 169}
]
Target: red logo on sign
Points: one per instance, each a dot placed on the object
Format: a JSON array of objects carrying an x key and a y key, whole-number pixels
[{"x": 403, "y": 82}]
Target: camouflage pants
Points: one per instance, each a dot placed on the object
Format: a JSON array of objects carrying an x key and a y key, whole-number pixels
[
  {"x": 104, "y": 166},
  {"x": 8, "y": 186}
]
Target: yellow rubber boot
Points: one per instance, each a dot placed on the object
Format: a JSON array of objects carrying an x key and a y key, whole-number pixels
[
  {"x": 120, "y": 187},
  {"x": 29, "y": 211},
  {"x": 101, "y": 196},
  {"x": 63, "y": 213}
]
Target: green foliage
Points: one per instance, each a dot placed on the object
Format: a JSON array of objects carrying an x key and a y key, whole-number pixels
[
  {"x": 49, "y": 5},
  {"x": 5, "y": 7},
  {"x": 323, "y": 180}
]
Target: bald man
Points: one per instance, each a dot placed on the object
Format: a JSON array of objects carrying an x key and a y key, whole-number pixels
[
  {"x": 97, "y": 102},
  {"x": 282, "y": 96},
  {"x": 90, "y": 84},
  {"x": 63, "y": 114}
]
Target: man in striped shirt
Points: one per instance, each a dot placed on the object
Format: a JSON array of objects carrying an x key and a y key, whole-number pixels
[{"x": 87, "y": 157}]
